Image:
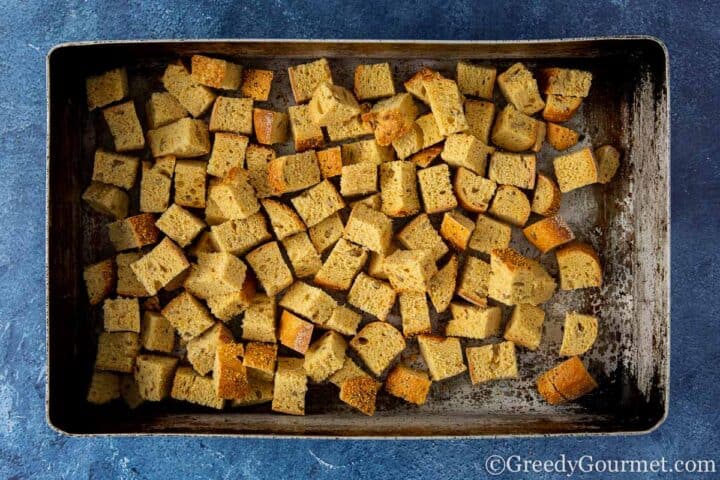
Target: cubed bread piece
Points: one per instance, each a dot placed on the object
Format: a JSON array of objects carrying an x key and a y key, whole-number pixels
[
  {"x": 360, "y": 393},
  {"x": 376, "y": 266},
  {"x": 369, "y": 228},
  {"x": 116, "y": 351},
  {"x": 160, "y": 266},
  {"x": 180, "y": 225},
  {"x": 154, "y": 375},
  {"x": 290, "y": 386},
  {"x": 416, "y": 84},
  {"x": 410, "y": 384},
  {"x": 261, "y": 391},
  {"x": 373, "y": 81},
  {"x": 358, "y": 179},
  {"x": 398, "y": 189},
  {"x": 559, "y": 108},
  {"x": 330, "y": 162},
  {"x": 204, "y": 244},
  {"x": 162, "y": 109},
  {"x": 325, "y": 356},
  {"x": 514, "y": 131},
  {"x": 479, "y": 115},
  {"x": 317, "y": 203},
  {"x": 157, "y": 334},
  {"x": 107, "y": 199},
  {"x": 343, "y": 320},
  {"x": 430, "y": 131},
  {"x": 190, "y": 187},
  {"x": 410, "y": 270},
  {"x": 229, "y": 305},
  {"x": 257, "y": 158},
  {"x": 190, "y": 387},
  {"x": 259, "y": 321},
  {"x": 579, "y": 334},
  {"x": 513, "y": 169},
  {"x": 128, "y": 284},
  {"x": 576, "y": 169},
  {"x": 516, "y": 279},
  {"x": 305, "y": 78},
  {"x": 270, "y": 127},
  {"x": 392, "y": 118},
  {"x": 579, "y": 266},
  {"x": 446, "y": 104},
  {"x": 310, "y": 302},
  {"x": 471, "y": 321},
  {"x": 306, "y": 134},
  {"x": 415, "y": 313},
  {"x": 121, "y": 315},
  {"x": 473, "y": 282},
  {"x": 492, "y": 362},
  {"x": 230, "y": 114},
  {"x": 372, "y": 296},
  {"x": 366, "y": 151},
  {"x": 561, "y": 138},
  {"x": 565, "y": 382},
  {"x": 293, "y": 173},
  {"x": 373, "y": 201},
  {"x": 106, "y": 88},
  {"x": 228, "y": 152},
  {"x": 196, "y": 99},
  {"x": 546, "y": 198},
  {"x": 115, "y": 169},
  {"x": 133, "y": 232},
  {"x": 260, "y": 359},
  {"x": 410, "y": 143},
  {"x": 129, "y": 391},
  {"x": 239, "y": 236},
  {"x": 463, "y": 150},
  {"x": 510, "y": 205},
  {"x": 548, "y": 233},
  {"x": 230, "y": 379},
  {"x": 473, "y": 192},
  {"x": 104, "y": 388},
  {"x": 326, "y": 233},
  {"x": 490, "y": 234},
  {"x": 270, "y": 268},
  {"x": 443, "y": 356},
  {"x": 377, "y": 344},
  {"x": 177, "y": 282},
  {"x": 305, "y": 260},
  {"x": 201, "y": 349},
  {"x": 256, "y": 84},
  {"x": 437, "y": 192},
  {"x": 442, "y": 285},
  {"x": 188, "y": 315},
  {"x": 457, "y": 229},
  {"x": 230, "y": 199},
  {"x": 332, "y": 104},
  {"x": 218, "y": 273},
  {"x": 476, "y": 80},
  {"x": 122, "y": 120},
  {"x": 99, "y": 280},
  {"x": 525, "y": 326},
  {"x": 349, "y": 370},
  {"x": 155, "y": 184},
  {"x": 419, "y": 234},
  {"x": 540, "y": 137},
  {"x": 520, "y": 89},
  {"x": 353, "y": 128},
  {"x": 184, "y": 138},
  {"x": 344, "y": 262},
  {"x": 608, "y": 161},
  {"x": 283, "y": 219},
  {"x": 294, "y": 332},
  {"x": 565, "y": 81},
  {"x": 215, "y": 72}
]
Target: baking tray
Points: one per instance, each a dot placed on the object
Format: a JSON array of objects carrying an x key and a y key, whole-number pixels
[{"x": 627, "y": 221}]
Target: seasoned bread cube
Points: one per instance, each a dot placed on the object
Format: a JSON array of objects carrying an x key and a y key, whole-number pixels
[
  {"x": 239, "y": 236},
  {"x": 366, "y": 151},
  {"x": 373, "y": 81},
  {"x": 345, "y": 261},
  {"x": 107, "y": 199},
  {"x": 106, "y": 88},
  {"x": 215, "y": 72},
  {"x": 128, "y": 284},
  {"x": 561, "y": 138},
  {"x": 162, "y": 109},
  {"x": 377, "y": 344},
  {"x": 369, "y": 228},
  {"x": 514, "y": 131},
  {"x": 565, "y": 382},
  {"x": 548, "y": 233},
  {"x": 229, "y": 305},
  {"x": 116, "y": 351},
  {"x": 376, "y": 267},
  {"x": 330, "y": 162},
  {"x": 332, "y": 104},
  {"x": 540, "y": 137},
  {"x": 260, "y": 359},
  {"x": 305, "y": 260},
  {"x": 104, "y": 387},
  {"x": 410, "y": 143},
  {"x": 325, "y": 356},
  {"x": 410, "y": 270},
  {"x": 184, "y": 138},
  {"x": 415, "y": 85},
  {"x": 398, "y": 189},
  {"x": 293, "y": 173},
  {"x": 510, "y": 205},
  {"x": 294, "y": 332},
  {"x": 99, "y": 280},
  {"x": 229, "y": 376},
  {"x": 565, "y": 81},
  {"x": 410, "y": 384},
  {"x": 190, "y": 387},
  {"x": 317, "y": 203},
  {"x": 559, "y": 108},
  {"x": 188, "y": 315},
  {"x": 360, "y": 393},
  {"x": 290, "y": 386},
  {"x": 470, "y": 321},
  {"x": 575, "y": 170},
  {"x": 358, "y": 179},
  {"x": 353, "y": 128},
  {"x": 392, "y": 118},
  {"x": 343, "y": 320},
  {"x": 310, "y": 302},
  {"x": 154, "y": 375},
  {"x": 156, "y": 334},
  {"x": 446, "y": 104},
  {"x": 230, "y": 199},
  {"x": 270, "y": 268},
  {"x": 457, "y": 229},
  {"x": 579, "y": 266},
  {"x": 463, "y": 150},
  {"x": 228, "y": 153},
  {"x": 230, "y": 114},
  {"x": 349, "y": 370},
  {"x": 442, "y": 285},
  {"x": 195, "y": 98},
  {"x": 326, "y": 233},
  {"x": 492, "y": 362},
  {"x": 516, "y": 279},
  {"x": 473, "y": 282},
  {"x": 525, "y": 326},
  {"x": 415, "y": 313},
  {"x": 479, "y": 115},
  {"x": 489, "y": 234},
  {"x": 121, "y": 315},
  {"x": 122, "y": 120},
  {"x": 419, "y": 234},
  {"x": 546, "y": 198},
  {"x": 259, "y": 320},
  {"x": 217, "y": 273},
  {"x": 520, "y": 89},
  {"x": 436, "y": 190},
  {"x": 283, "y": 219},
  {"x": 473, "y": 192},
  {"x": 115, "y": 169},
  {"x": 256, "y": 84},
  {"x": 270, "y": 127},
  {"x": 133, "y": 232},
  {"x": 305, "y": 78},
  {"x": 476, "y": 80},
  {"x": 257, "y": 158},
  {"x": 180, "y": 225},
  {"x": 177, "y": 282},
  {"x": 155, "y": 184},
  {"x": 513, "y": 169},
  {"x": 306, "y": 134},
  {"x": 373, "y": 201},
  {"x": 608, "y": 161},
  {"x": 430, "y": 130},
  {"x": 579, "y": 334},
  {"x": 372, "y": 296},
  {"x": 442, "y": 355},
  {"x": 190, "y": 178},
  {"x": 260, "y": 391}
]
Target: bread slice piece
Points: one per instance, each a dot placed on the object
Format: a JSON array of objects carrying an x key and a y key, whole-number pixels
[
  {"x": 513, "y": 169},
  {"x": 231, "y": 197},
  {"x": 305, "y": 78},
  {"x": 121, "y": 315},
  {"x": 480, "y": 115},
  {"x": 184, "y": 138},
  {"x": 293, "y": 173},
  {"x": 520, "y": 89},
  {"x": 133, "y": 232},
  {"x": 392, "y": 118},
  {"x": 188, "y": 315},
  {"x": 162, "y": 109},
  {"x": 579, "y": 266},
  {"x": 467, "y": 151},
  {"x": 473, "y": 192},
  {"x": 442, "y": 355},
  {"x": 548, "y": 233},
  {"x": 107, "y": 199},
  {"x": 415, "y": 84},
  {"x": 116, "y": 351},
  {"x": 436, "y": 189},
  {"x": 608, "y": 161},
  {"x": 410, "y": 384},
  {"x": 332, "y": 104},
  {"x": 270, "y": 127},
  {"x": 290, "y": 387},
  {"x": 410, "y": 143},
  {"x": 317, "y": 203},
  {"x": 230, "y": 114},
  {"x": 154, "y": 375},
  {"x": 415, "y": 313},
  {"x": 514, "y": 131},
  {"x": 565, "y": 81},
  {"x": 566, "y": 382},
  {"x": 473, "y": 282},
  {"x": 410, "y": 270},
  {"x": 471, "y": 321},
  {"x": 257, "y": 158},
  {"x": 360, "y": 393},
  {"x": 190, "y": 176},
  {"x": 270, "y": 268},
  {"x": 155, "y": 184},
  {"x": 419, "y": 234},
  {"x": 373, "y": 81},
  {"x": 325, "y": 356},
  {"x": 457, "y": 229},
  {"x": 260, "y": 359},
  {"x": 180, "y": 225},
  {"x": 510, "y": 205},
  {"x": 489, "y": 234},
  {"x": 294, "y": 332},
  {"x": 104, "y": 388},
  {"x": 576, "y": 169},
  {"x": 442, "y": 285},
  {"x": 516, "y": 279},
  {"x": 561, "y": 138},
  {"x": 310, "y": 302},
  {"x": 201, "y": 349},
  {"x": 230, "y": 378},
  {"x": 284, "y": 220},
  {"x": 190, "y": 387},
  {"x": 372, "y": 296},
  {"x": 398, "y": 189},
  {"x": 547, "y": 196},
  {"x": 195, "y": 98},
  {"x": 106, "y": 88},
  {"x": 358, "y": 179},
  {"x": 326, "y": 233},
  {"x": 559, "y": 108},
  {"x": 115, "y": 169},
  {"x": 260, "y": 391},
  {"x": 446, "y": 104},
  {"x": 377, "y": 344},
  {"x": 579, "y": 334},
  {"x": 215, "y": 72},
  {"x": 492, "y": 362},
  {"x": 306, "y": 134},
  {"x": 345, "y": 261},
  {"x": 160, "y": 266},
  {"x": 343, "y": 320},
  {"x": 123, "y": 123},
  {"x": 369, "y": 228},
  {"x": 239, "y": 236},
  {"x": 99, "y": 280},
  {"x": 330, "y": 162},
  {"x": 525, "y": 326},
  {"x": 305, "y": 260},
  {"x": 476, "y": 80},
  {"x": 259, "y": 320}
]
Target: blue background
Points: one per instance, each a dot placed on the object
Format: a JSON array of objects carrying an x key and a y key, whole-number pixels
[{"x": 28, "y": 448}]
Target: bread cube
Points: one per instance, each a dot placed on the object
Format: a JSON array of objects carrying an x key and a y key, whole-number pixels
[
  {"x": 419, "y": 234},
  {"x": 608, "y": 161},
  {"x": 230, "y": 378},
  {"x": 358, "y": 179},
  {"x": 415, "y": 313},
  {"x": 353, "y": 128},
  {"x": 516, "y": 279},
  {"x": 121, "y": 315},
  {"x": 392, "y": 118},
  {"x": 162, "y": 109},
  {"x": 190, "y": 183},
  {"x": 293, "y": 173},
  {"x": 373, "y": 81},
  {"x": 442, "y": 355},
  {"x": 561, "y": 138},
  {"x": 492, "y": 362},
  {"x": 457, "y": 229},
  {"x": 230, "y": 200},
  {"x": 540, "y": 137},
  {"x": 115, "y": 169},
  {"x": 305, "y": 260},
  {"x": 133, "y": 232},
  {"x": 398, "y": 189},
  {"x": 343, "y": 320},
  {"x": 306, "y": 134},
  {"x": 446, "y": 104},
  {"x": 257, "y": 158},
  {"x": 521, "y": 89},
  {"x": 215, "y": 72},
  {"x": 128, "y": 284},
  {"x": 107, "y": 199},
  {"x": 230, "y": 114},
  {"x": 260, "y": 359},
  {"x": 157, "y": 334},
  {"x": 195, "y": 98},
  {"x": 122, "y": 120},
  {"x": 229, "y": 305},
  {"x": 576, "y": 169},
  {"x": 489, "y": 234},
  {"x": 317, "y": 203},
  {"x": 510, "y": 205},
  {"x": 270, "y": 127},
  {"x": 270, "y": 268},
  {"x": 410, "y": 384},
  {"x": 366, "y": 151},
  {"x": 285, "y": 222},
  {"x": 310, "y": 302},
  {"x": 332, "y": 104},
  {"x": 290, "y": 386},
  {"x": 369, "y": 228},
  {"x": 256, "y": 84},
  {"x": 377, "y": 344},
  {"x": 239, "y": 236},
  {"x": 326, "y": 233},
  {"x": 330, "y": 162},
  {"x": 180, "y": 225},
  {"x": 360, "y": 393},
  {"x": 99, "y": 280},
  {"x": 116, "y": 351},
  {"x": 476, "y": 80},
  {"x": 260, "y": 391},
  {"x": 259, "y": 320},
  {"x": 228, "y": 152},
  {"x": 559, "y": 108},
  {"x": 155, "y": 184},
  {"x": 514, "y": 131},
  {"x": 436, "y": 190},
  {"x": 344, "y": 262},
  {"x": 372, "y": 296},
  {"x": 216, "y": 274},
  {"x": 373, "y": 201},
  {"x": 546, "y": 198},
  {"x": 463, "y": 150},
  {"x": 442, "y": 285},
  {"x": 471, "y": 321},
  {"x": 154, "y": 375},
  {"x": 473, "y": 282},
  {"x": 548, "y": 233},
  {"x": 525, "y": 326},
  {"x": 579, "y": 334},
  {"x": 294, "y": 332},
  {"x": 190, "y": 387},
  {"x": 565, "y": 382},
  {"x": 415, "y": 85},
  {"x": 305, "y": 78},
  {"x": 188, "y": 315},
  {"x": 513, "y": 169},
  {"x": 410, "y": 143},
  {"x": 184, "y": 138},
  {"x": 565, "y": 81},
  {"x": 106, "y": 88},
  {"x": 104, "y": 388},
  {"x": 579, "y": 266},
  {"x": 480, "y": 115},
  {"x": 325, "y": 356},
  {"x": 160, "y": 266},
  {"x": 410, "y": 270},
  {"x": 349, "y": 370},
  {"x": 473, "y": 192}
]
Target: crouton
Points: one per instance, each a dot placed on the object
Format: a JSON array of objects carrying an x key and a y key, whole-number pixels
[
  {"x": 373, "y": 201},
  {"x": 392, "y": 118},
  {"x": 343, "y": 320},
  {"x": 559, "y": 108},
  {"x": 377, "y": 344},
  {"x": 579, "y": 266},
  {"x": 310, "y": 302},
  {"x": 239, "y": 236},
  {"x": 195, "y": 98},
  {"x": 257, "y": 158},
  {"x": 330, "y": 161},
  {"x": 479, "y": 115},
  {"x": 457, "y": 229},
  {"x": 514, "y": 131},
  {"x": 305, "y": 78},
  {"x": 122, "y": 120},
  {"x": 260, "y": 391},
  {"x": 216, "y": 274},
  {"x": 215, "y": 72},
  {"x": 471, "y": 321},
  {"x": 410, "y": 270},
  {"x": 373, "y": 81},
  {"x": 566, "y": 382},
  {"x": 372, "y": 296},
  {"x": 345, "y": 261},
  {"x": 513, "y": 169},
  {"x": 354, "y": 128},
  {"x": 576, "y": 169},
  {"x": 473, "y": 282},
  {"x": 256, "y": 84},
  {"x": 376, "y": 266},
  {"x": 415, "y": 85},
  {"x": 446, "y": 104},
  {"x": 188, "y": 315},
  {"x": 366, "y": 151},
  {"x": 201, "y": 349},
  {"x": 260, "y": 359},
  {"x": 546, "y": 198},
  {"x": 561, "y": 138},
  {"x": 442, "y": 355},
  {"x": 410, "y": 143},
  {"x": 155, "y": 184},
  {"x": 473, "y": 192},
  {"x": 162, "y": 109},
  {"x": 565, "y": 81},
  {"x": 99, "y": 280},
  {"x": 305, "y": 260},
  {"x": 228, "y": 152},
  {"x": 325, "y": 356},
  {"x": 489, "y": 234},
  {"x": 157, "y": 334},
  {"x": 358, "y": 179},
  {"x": 290, "y": 386},
  {"x": 128, "y": 284},
  {"x": 154, "y": 376},
  {"x": 398, "y": 189},
  {"x": 410, "y": 384},
  {"x": 540, "y": 137},
  {"x": 294, "y": 332},
  {"x": 116, "y": 351},
  {"x": 318, "y": 202},
  {"x": 259, "y": 320},
  {"x": 349, "y": 370},
  {"x": 230, "y": 378},
  {"x": 463, "y": 150},
  {"x": 476, "y": 80},
  {"x": 419, "y": 234},
  {"x": 184, "y": 138},
  {"x": 436, "y": 189},
  {"x": 293, "y": 173},
  {"x": 442, "y": 285},
  {"x": 520, "y": 89},
  {"x": 107, "y": 199},
  {"x": 121, "y": 315},
  {"x": 510, "y": 205},
  {"x": 190, "y": 387},
  {"x": 492, "y": 362},
  {"x": 306, "y": 134},
  {"x": 516, "y": 279},
  {"x": 104, "y": 388},
  {"x": 270, "y": 268},
  {"x": 548, "y": 233},
  {"x": 360, "y": 393},
  {"x": 369, "y": 228},
  {"x": 115, "y": 169},
  {"x": 133, "y": 232},
  {"x": 229, "y": 305},
  {"x": 415, "y": 313},
  {"x": 230, "y": 199},
  {"x": 332, "y": 104},
  {"x": 608, "y": 161},
  {"x": 106, "y": 88},
  {"x": 525, "y": 326},
  {"x": 326, "y": 233},
  {"x": 283, "y": 219},
  {"x": 579, "y": 334},
  {"x": 180, "y": 225},
  {"x": 230, "y": 114}
]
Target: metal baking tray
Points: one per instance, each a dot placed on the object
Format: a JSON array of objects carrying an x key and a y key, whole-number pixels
[{"x": 627, "y": 221}]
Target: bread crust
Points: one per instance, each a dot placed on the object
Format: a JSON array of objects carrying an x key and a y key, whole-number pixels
[
  {"x": 566, "y": 382},
  {"x": 549, "y": 233}
]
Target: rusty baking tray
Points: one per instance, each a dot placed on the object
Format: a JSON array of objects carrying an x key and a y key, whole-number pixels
[{"x": 627, "y": 220}]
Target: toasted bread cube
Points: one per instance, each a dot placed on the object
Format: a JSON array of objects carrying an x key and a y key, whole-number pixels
[
  {"x": 325, "y": 356},
  {"x": 442, "y": 355},
  {"x": 188, "y": 315},
  {"x": 480, "y": 115},
  {"x": 104, "y": 388},
  {"x": 437, "y": 192},
  {"x": 576, "y": 170},
  {"x": 360, "y": 393},
  {"x": 128, "y": 284},
  {"x": 419, "y": 234},
  {"x": 608, "y": 160},
  {"x": 546, "y": 198},
  {"x": 230, "y": 379},
  {"x": 373, "y": 81},
  {"x": 471, "y": 321},
  {"x": 116, "y": 351},
  {"x": 184, "y": 138},
  {"x": 306, "y": 134},
  {"x": 305, "y": 78},
  {"x": 310, "y": 302},
  {"x": 293, "y": 173},
  {"x": 256, "y": 84},
  {"x": 217, "y": 273},
  {"x": 353, "y": 128},
  {"x": 490, "y": 234},
  {"x": 457, "y": 229},
  {"x": 294, "y": 332},
  {"x": 180, "y": 225},
  {"x": 415, "y": 85},
  {"x": 157, "y": 334},
  {"x": 516, "y": 279},
  {"x": 257, "y": 158},
  {"x": 332, "y": 104},
  {"x": 358, "y": 179},
  {"x": 349, "y": 370},
  {"x": 270, "y": 268},
  {"x": 228, "y": 152},
  {"x": 162, "y": 109},
  {"x": 373, "y": 201},
  {"x": 410, "y": 143},
  {"x": 521, "y": 89},
  {"x": 369, "y": 151},
  {"x": 372, "y": 296},
  {"x": 121, "y": 315},
  {"x": 215, "y": 72},
  {"x": 154, "y": 376},
  {"x": 565, "y": 81},
  {"x": 239, "y": 236},
  {"x": 344, "y": 262},
  {"x": 259, "y": 320},
  {"x": 261, "y": 391},
  {"x": 369, "y": 228},
  {"x": 232, "y": 198},
  {"x": 525, "y": 326},
  {"x": 99, "y": 280},
  {"x": 579, "y": 334},
  {"x": 317, "y": 203},
  {"x": 410, "y": 270},
  {"x": 579, "y": 266},
  {"x": 430, "y": 131},
  {"x": 290, "y": 386},
  {"x": 107, "y": 199},
  {"x": 260, "y": 359},
  {"x": 133, "y": 232},
  {"x": 195, "y": 98},
  {"x": 270, "y": 127},
  {"x": 155, "y": 184},
  {"x": 344, "y": 320},
  {"x": 377, "y": 344},
  {"x": 463, "y": 150},
  {"x": 540, "y": 137},
  {"x": 415, "y": 313},
  {"x": 229, "y": 305},
  {"x": 283, "y": 218},
  {"x": 446, "y": 104},
  {"x": 305, "y": 260},
  {"x": 510, "y": 205},
  {"x": 190, "y": 178},
  {"x": 514, "y": 131},
  {"x": 492, "y": 362},
  {"x": 442, "y": 285},
  {"x": 392, "y": 118},
  {"x": 190, "y": 387},
  {"x": 476, "y": 80},
  {"x": 561, "y": 138},
  {"x": 410, "y": 384},
  {"x": 566, "y": 382},
  {"x": 330, "y": 162},
  {"x": 106, "y": 88},
  {"x": 376, "y": 266},
  {"x": 231, "y": 114},
  {"x": 513, "y": 169},
  {"x": 398, "y": 189},
  {"x": 122, "y": 120},
  {"x": 559, "y": 108},
  {"x": 326, "y": 233},
  {"x": 473, "y": 282},
  {"x": 115, "y": 169},
  {"x": 548, "y": 233},
  {"x": 473, "y": 192},
  {"x": 201, "y": 350}
]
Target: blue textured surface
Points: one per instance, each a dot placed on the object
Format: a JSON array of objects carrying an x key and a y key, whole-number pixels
[{"x": 29, "y": 449}]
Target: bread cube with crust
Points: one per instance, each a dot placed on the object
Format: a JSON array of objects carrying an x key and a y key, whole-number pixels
[
  {"x": 473, "y": 282},
  {"x": 410, "y": 143},
  {"x": 358, "y": 179},
  {"x": 260, "y": 359},
  {"x": 457, "y": 229},
  {"x": 190, "y": 387},
  {"x": 332, "y": 104},
  {"x": 561, "y": 138},
  {"x": 392, "y": 118},
  {"x": 106, "y": 88},
  {"x": 565, "y": 81},
  {"x": 239, "y": 236},
  {"x": 516, "y": 279},
  {"x": 195, "y": 98},
  {"x": 121, "y": 315},
  {"x": 290, "y": 386},
  {"x": 344, "y": 262},
  {"x": 104, "y": 388},
  {"x": 188, "y": 315},
  {"x": 294, "y": 332},
  {"x": 514, "y": 131},
  {"x": 410, "y": 270},
  {"x": 415, "y": 313},
  {"x": 184, "y": 139},
  {"x": 398, "y": 189},
  {"x": 579, "y": 334},
  {"x": 372, "y": 296},
  {"x": 230, "y": 379},
  {"x": 230, "y": 114},
  {"x": 548, "y": 233},
  {"x": 99, "y": 280},
  {"x": 471, "y": 321},
  {"x": 155, "y": 184},
  {"x": 525, "y": 326},
  {"x": 271, "y": 127},
  {"x": 305, "y": 78},
  {"x": 154, "y": 376},
  {"x": 476, "y": 80},
  {"x": 326, "y": 233},
  {"x": 325, "y": 356},
  {"x": 576, "y": 169},
  {"x": 442, "y": 285},
  {"x": 180, "y": 225},
  {"x": 256, "y": 84},
  {"x": 373, "y": 81},
  {"x": 377, "y": 344},
  {"x": 489, "y": 234},
  {"x": 415, "y": 85},
  {"x": 608, "y": 161},
  {"x": 559, "y": 108},
  {"x": 419, "y": 234},
  {"x": 510, "y": 205},
  {"x": 156, "y": 334},
  {"x": 190, "y": 177},
  {"x": 521, "y": 89},
  {"x": 318, "y": 202},
  {"x": 492, "y": 362},
  {"x": 442, "y": 355},
  {"x": 292, "y": 173},
  {"x": 215, "y": 72},
  {"x": 446, "y": 104},
  {"x": 107, "y": 199},
  {"x": 473, "y": 192},
  {"x": 162, "y": 109},
  {"x": 480, "y": 115},
  {"x": 310, "y": 302},
  {"x": 122, "y": 120},
  {"x": 115, "y": 169},
  {"x": 566, "y": 382},
  {"x": 270, "y": 268},
  {"x": 463, "y": 150},
  {"x": 330, "y": 162},
  {"x": 360, "y": 393},
  {"x": 306, "y": 134},
  {"x": 369, "y": 228},
  {"x": 259, "y": 320},
  {"x": 305, "y": 260},
  {"x": 546, "y": 198},
  {"x": 579, "y": 266},
  {"x": 228, "y": 152},
  {"x": 133, "y": 232},
  {"x": 410, "y": 384},
  {"x": 436, "y": 189},
  {"x": 116, "y": 351}
]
